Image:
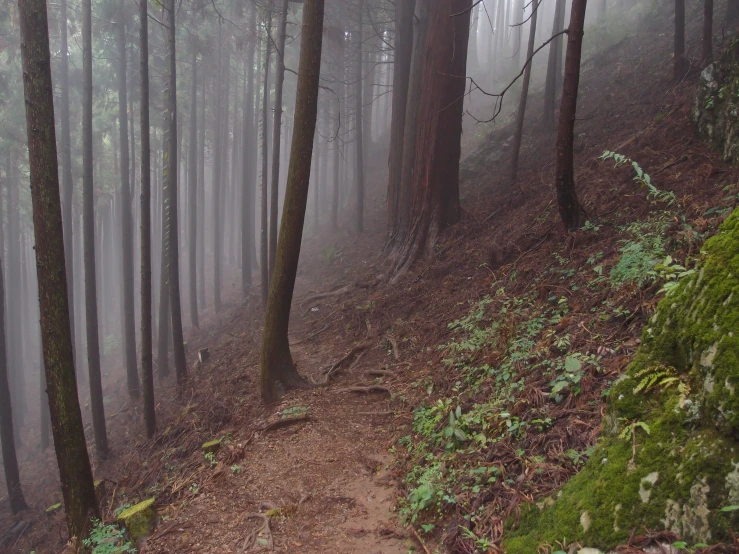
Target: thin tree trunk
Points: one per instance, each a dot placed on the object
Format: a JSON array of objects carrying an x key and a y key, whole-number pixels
[
  {"x": 129, "y": 315},
  {"x": 264, "y": 258},
  {"x": 15, "y": 332},
  {"x": 147, "y": 362},
  {"x": 681, "y": 63},
  {"x": 569, "y": 207},
  {"x": 7, "y": 439},
  {"x": 193, "y": 192},
  {"x": 279, "y": 82},
  {"x": 248, "y": 145},
  {"x": 554, "y": 66},
  {"x": 401, "y": 81},
  {"x": 201, "y": 196},
  {"x": 521, "y": 114},
  {"x": 164, "y": 311},
  {"x": 707, "y": 33},
  {"x": 180, "y": 363},
  {"x": 217, "y": 175},
  {"x": 278, "y": 371},
  {"x": 358, "y": 130},
  {"x": 67, "y": 183},
  {"x": 88, "y": 218},
  {"x": 69, "y": 439}
]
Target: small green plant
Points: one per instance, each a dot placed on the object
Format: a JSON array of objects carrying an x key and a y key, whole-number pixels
[
  {"x": 641, "y": 254},
  {"x": 194, "y": 488},
  {"x": 642, "y": 177},
  {"x": 671, "y": 273},
  {"x": 210, "y": 457},
  {"x": 236, "y": 469},
  {"x": 682, "y": 545},
  {"x": 107, "y": 539},
  {"x": 660, "y": 376},
  {"x": 295, "y": 411}
]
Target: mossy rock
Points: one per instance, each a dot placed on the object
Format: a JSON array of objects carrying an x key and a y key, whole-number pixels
[
  {"x": 212, "y": 446},
  {"x": 139, "y": 520},
  {"x": 54, "y": 508},
  {"x": 683, "y": 386}
]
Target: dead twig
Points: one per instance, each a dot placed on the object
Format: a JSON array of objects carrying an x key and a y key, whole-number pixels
[{"x": 418, "y": 538}]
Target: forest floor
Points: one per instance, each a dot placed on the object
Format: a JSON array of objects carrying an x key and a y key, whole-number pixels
[{"x": 330, "y": 472}]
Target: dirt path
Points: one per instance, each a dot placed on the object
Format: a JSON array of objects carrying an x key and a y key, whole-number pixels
[{"x": 325, "y": 479}]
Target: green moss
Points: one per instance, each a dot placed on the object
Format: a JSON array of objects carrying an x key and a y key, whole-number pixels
[
  {"x": 212, "y": 446},
  {"x": 686, "y": 468},
  {"x": 139, "y": 520},
  {"x": 54, "y": 508}
]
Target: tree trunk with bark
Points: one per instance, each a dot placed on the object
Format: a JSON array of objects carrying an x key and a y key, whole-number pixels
[
  {"x": 88, "y": 221},
  {"x": 277, "y": 122},
  {"x": 192, "y": 176},
  {"x": 263, "y": 244},
  {"x": 681, "y": 65},
  {"x": 69, "y": 438},
  {"x": 129, "y": 316},
  {"x": 217, "y": 175},
  {"x": 435, "y": 184},
  {"x": 147, "y": 359},
  {"x": 278, "y": 371},
  {"x": 554, "y": 67},
  {"x": 7, "y": 439},
  {"x": 358, "y": 129},
  {"x": 570, "y": 210},
  {"x": 248, "y": 145},
  {"x": 707, "y": 57},
  {"x": 521, "y": 113},
  {"x": 180, "y": 363},
  {"x": 401, "y": 80}
]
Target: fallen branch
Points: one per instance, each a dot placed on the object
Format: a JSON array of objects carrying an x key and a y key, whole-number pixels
[
  {"x": 418, "y": 538},
  {"x": 360, "y": 389},
  {"x": 264, "y": 533},
  {"x": 379, "y": 373},
  {"x": 280, "y": 423},
  {"x": 376, "y": 413}
]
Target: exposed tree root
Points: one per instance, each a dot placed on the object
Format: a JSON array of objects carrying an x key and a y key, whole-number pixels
[
  {"x": 252, "y": 541},
  {"x": 394, "y": 343},
  {"x": 380, "y": 373},
  {"x": 280, "y": 423},
  {"x": 321, "y": 295},
  {"x": 365, "y": 389},
  {"x": 376, "y": 413},
  {"x": 329, "y": 372}
]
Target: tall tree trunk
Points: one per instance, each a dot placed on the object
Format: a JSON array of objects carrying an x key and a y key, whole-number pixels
[
  {"x": 554, "y": 66},
  {"x": 88, "y": 220},
  {"x": 15, "y": 332},
  {"x": 217, "y": 175},
  {"x": 707, "y": 57},
  {"x": 264, "y": 257},
  {"x": 67, "y": 183},
  {"x": 401, "y": 79},
  {"x": 279, "y": 82},
  {"x": 248, "y": 145},
  {"x": 517, "y": 19},
  {"x": 410, "y": 133},
  {"x": 193, "y": 194},
  {"x": 681, "y": 64},
  {"x": 569, "y": 207},
  {"x": 278, "y": 371},
  {"x": 180, "y": 363},
  {"x": 201, "y": 195},
  {"x": 521, "y": 114},
  {"x": 7, "y": 439},
  {"x": 339, "y": 40},
  {"x": 435, "y": 203},
  {"x": 147, "y": 361},
  {"x": 69, "y": 438},
  {"x": 165, "y": 318},
  {"x": 358, "y": 130},
  {"x": 129, "y": 315}
]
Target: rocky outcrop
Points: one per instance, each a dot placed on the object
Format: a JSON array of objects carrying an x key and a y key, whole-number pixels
[
  {"x": 716, "y": 109},
  {"x": 669, "y": 454}
]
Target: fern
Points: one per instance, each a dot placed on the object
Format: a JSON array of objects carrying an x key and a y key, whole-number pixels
[
  {"x": 660, "y": 376},
  {"x": 642, "y": 177}
]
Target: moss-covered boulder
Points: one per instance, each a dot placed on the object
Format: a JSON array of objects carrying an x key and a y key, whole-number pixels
[
  {"x": 139, "y": 520},
  {"x": 669, "y": 454},
  {"x": 716, "y": 109}
]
